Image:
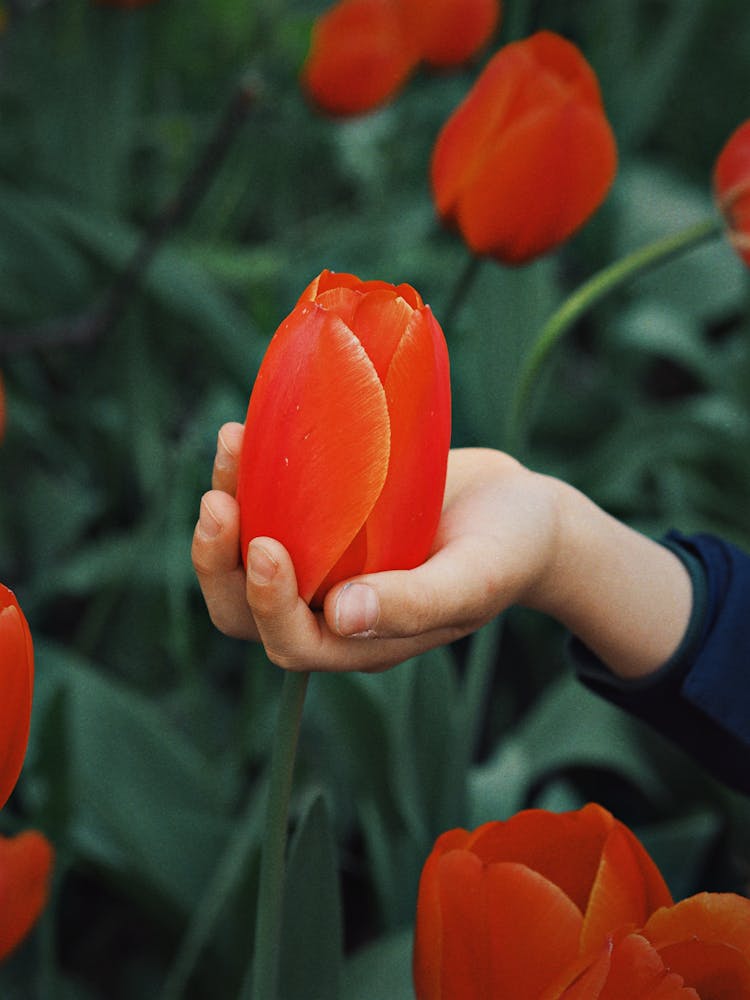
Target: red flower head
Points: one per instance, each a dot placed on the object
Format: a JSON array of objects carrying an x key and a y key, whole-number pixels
[
  {"x": 359, "y": 57},
  {"x": 17, "y": 673},
  {"x": 448, "y": 32},
  {"x": 25, "y": 869},
  {"x": 503, "y": 910},
  {"x": 347, "y": 433},
  {"x": 732, "y": 188},
  {"x": 529, "y": 154},
  {"x": 696, "y": 950}
]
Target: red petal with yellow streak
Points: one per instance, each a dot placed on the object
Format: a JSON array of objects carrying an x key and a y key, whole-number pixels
[
  {"x": 627, "y": 889},
  {"x": 17, "y": 668},
  {"x": 316, "y": 444}
]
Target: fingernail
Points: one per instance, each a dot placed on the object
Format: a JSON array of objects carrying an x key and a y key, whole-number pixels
[
  {"x": 208, "y": 522},
  {"x": 260, "y": 566},
  {"x": 357, "y": 610},
  {"x": 225, "y": 459}
]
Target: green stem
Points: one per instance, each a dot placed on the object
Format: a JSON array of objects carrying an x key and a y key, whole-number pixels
[
  {"x": 590, "y": 292},
  {"x": 461, "y": 289},
  {"x": 262, "y": 979}
]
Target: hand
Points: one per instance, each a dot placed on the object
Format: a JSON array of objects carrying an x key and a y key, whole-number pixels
[{"x": 495, "y": 540}]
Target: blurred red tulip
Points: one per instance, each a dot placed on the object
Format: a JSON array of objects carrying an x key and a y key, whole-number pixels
[
  {"x": 25, "y": 870},
  {"x": 698, "y": 949},
  {"x": 359, "y": 57},
  {"x": 448, "y": 32},
  {"x": 17, "y": 679},
  {"x": 732, "y": 188},
  {"x": 504, "y": 910},
  {"x": 347, "y": 433},
  {"x": 529, "y": 155}
]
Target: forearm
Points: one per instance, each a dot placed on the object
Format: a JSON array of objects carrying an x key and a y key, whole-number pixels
[{"x": 625, "y": 596}]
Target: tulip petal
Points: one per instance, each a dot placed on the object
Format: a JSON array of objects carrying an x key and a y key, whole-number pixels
[
  {"x": 489, "y": 930},
  {"x": 717, "y": 971},
  {"x": 627, "y": 889},
  {"x": 17, "y": 679},
  {"x": 403, "y": 522},
  {"x": 564, "y": 847},
  {"x": 709, "y": 916},
  {"x": 328, "y": 280},
  {"x": 316, "y": 445},
  {"x": 25, "y": 868}
]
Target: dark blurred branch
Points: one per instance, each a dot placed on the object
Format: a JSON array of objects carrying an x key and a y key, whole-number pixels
[{"x": 101, "y": 316}]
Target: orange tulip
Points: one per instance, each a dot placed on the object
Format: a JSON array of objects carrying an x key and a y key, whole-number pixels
[
  {"x": 17, "y": 679},
  {"x": 698, "y": 949},
  {"x": 732, "y": 188},
  {"x": 529, "y": 155},
  {"x": 25, "y": 870},
  {"x": 504, "y": 910},
  {"x": 347, "y": 433},
  {"x": 360, "y": 56},
  {"x": 448, "y": 32}
]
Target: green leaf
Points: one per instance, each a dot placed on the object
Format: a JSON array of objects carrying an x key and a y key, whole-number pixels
[
  {"x": 381, "y": 970},
  {"x": 312, "y": 942}
]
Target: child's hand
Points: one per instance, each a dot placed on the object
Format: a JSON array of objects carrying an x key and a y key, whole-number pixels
[{"x": 495, "y": 542}]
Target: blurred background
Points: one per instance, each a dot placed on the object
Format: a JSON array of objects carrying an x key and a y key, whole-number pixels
[{"x": 166, "y": 192}]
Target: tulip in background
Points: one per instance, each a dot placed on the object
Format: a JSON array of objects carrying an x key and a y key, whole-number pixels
[
  {"x": 347, "y": 433},
  {"x": 17, "y": 680},
  {"x": 529, "y": 155},
  {"x": 359, "y": 57},
  {"x": 732, "y": 188},
  {"x": 447, "y": 33},
  {"x": 363, "y": 51},
  {"x": 25, "y": 871}
]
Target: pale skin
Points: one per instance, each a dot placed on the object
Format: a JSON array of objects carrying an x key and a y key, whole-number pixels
[{"x": 507, "y": 536}]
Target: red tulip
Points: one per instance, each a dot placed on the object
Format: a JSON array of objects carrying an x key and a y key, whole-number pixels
[
  {"x": 529, "y": 155},
  {"x": 360, "y": 56},
  {"x": 504, "y": 910},
  {"x": 698, "y": 949},
  {"x": 17, "y": 663},
  {"x": 448, "y": 32},
  {"x": 347, "y": 433},
  {"x": 732, "y": 188},
  {"x": 25, "y": 869}
]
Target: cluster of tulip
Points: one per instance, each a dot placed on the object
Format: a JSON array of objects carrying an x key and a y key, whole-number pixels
[{"x": 26, "y": 859}]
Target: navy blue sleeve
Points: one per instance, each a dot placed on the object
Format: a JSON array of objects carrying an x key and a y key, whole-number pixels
[{"x": 701, "y": 698}]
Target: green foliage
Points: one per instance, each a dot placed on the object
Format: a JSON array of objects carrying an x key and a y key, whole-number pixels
[{"x": 148, "y": 759}]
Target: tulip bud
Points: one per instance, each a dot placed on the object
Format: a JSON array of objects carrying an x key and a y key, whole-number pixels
[
  {"x": 732, "y": 188},
  {"x": 529, "y": 154},
  {"x": 359, "y": 56},
  {"x": 17, "y": 668},
  {"x": 448, "y": 32},
  {"x": 25, "y": 870},
  {"x": 347, "y": 433}
]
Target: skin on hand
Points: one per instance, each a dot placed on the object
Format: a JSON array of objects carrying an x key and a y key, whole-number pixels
[{"x": 507, "y": 536}]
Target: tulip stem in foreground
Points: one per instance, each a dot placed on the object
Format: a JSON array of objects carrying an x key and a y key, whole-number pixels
[
  {"x": 262, "y": 980},
  {"x": 589, "y": 293}
]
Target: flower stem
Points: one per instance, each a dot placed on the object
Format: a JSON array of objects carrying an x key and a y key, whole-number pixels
[
  {"x": 461, "y": 289},
  {"x": 262, "y": 980},
  {"x": 590, "y": 292}
]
